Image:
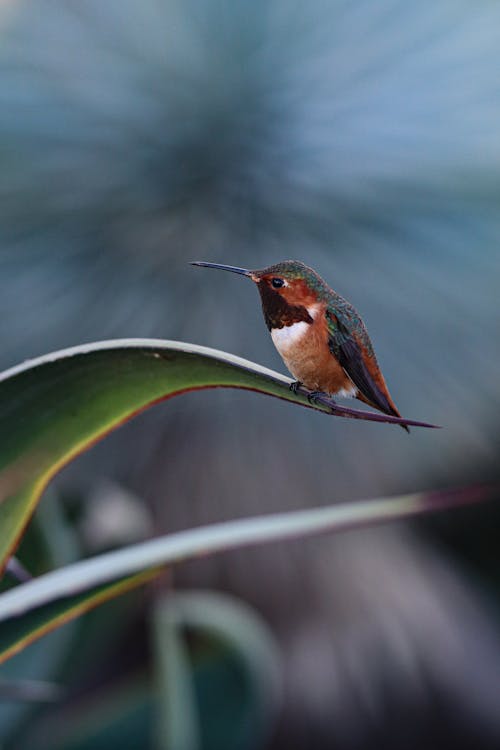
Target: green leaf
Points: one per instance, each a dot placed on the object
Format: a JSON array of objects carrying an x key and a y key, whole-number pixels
[
  {"x": 19, "y": 632},
  {"x": 34, "y": 608},
  {"x": 218, "y": 671},
  {"x": 49, "y": 542},
  {"x": 55, "y": 407}
]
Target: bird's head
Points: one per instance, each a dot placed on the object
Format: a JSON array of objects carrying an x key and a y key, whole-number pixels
[{"x": 287, "y": 284}]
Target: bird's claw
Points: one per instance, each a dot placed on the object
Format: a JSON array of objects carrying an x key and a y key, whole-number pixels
[{"x": 315, "y": 397}]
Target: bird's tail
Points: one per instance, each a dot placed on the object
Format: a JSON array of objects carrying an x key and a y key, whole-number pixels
[{"x": 391, "y": 408}]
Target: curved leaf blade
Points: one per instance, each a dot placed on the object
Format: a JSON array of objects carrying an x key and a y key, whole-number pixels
[
  {"x": 55, "y": 407},
  {"x": 29, "y": 611},
  {"x": 19, "y": 632}
]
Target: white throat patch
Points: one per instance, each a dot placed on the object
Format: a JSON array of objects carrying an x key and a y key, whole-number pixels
[{"x": 288, "y": 336}]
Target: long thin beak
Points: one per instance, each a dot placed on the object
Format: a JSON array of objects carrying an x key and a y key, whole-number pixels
[{"x": 220, "y": 266}]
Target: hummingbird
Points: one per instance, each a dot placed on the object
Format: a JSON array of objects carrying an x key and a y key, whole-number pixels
[{"x": 319, "y": 335}]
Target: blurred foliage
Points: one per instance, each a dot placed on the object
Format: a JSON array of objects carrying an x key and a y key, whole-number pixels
[
  {"x": 40, "y": 404},
  {"x": 218, "y": 671},
  {"x": 49, "y": 542},
  {"x": 233, "y": 689}
]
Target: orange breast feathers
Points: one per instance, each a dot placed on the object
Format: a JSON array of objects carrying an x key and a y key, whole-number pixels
[{"x": 304, "y": 350}]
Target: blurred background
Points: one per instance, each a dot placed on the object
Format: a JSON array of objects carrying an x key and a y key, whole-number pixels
[{"x": 363, "y": 139}]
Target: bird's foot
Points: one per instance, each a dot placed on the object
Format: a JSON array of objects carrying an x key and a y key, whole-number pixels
[
  {"x": 316, "y": 397},
  {"x": 294, "y": 387}
]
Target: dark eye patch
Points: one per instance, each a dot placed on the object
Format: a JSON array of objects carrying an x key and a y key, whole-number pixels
[{"x": 277, "y": 283}]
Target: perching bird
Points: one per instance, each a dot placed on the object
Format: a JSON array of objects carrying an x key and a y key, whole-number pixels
[{"x": 319, "y": 334}]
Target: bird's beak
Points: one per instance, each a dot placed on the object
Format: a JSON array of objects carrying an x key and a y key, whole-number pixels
[{"x": 220, "y": 266}]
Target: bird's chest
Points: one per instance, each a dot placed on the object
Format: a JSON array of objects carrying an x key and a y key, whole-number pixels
[
  {"x": 291, "y": 339},
  {"x": 304, "y": 349}
]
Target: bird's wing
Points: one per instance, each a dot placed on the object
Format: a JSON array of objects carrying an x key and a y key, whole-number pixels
[{"x": 344, "y": 346}]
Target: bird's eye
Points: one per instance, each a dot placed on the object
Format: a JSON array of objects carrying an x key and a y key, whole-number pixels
[{"x": 277, "y": 283}]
